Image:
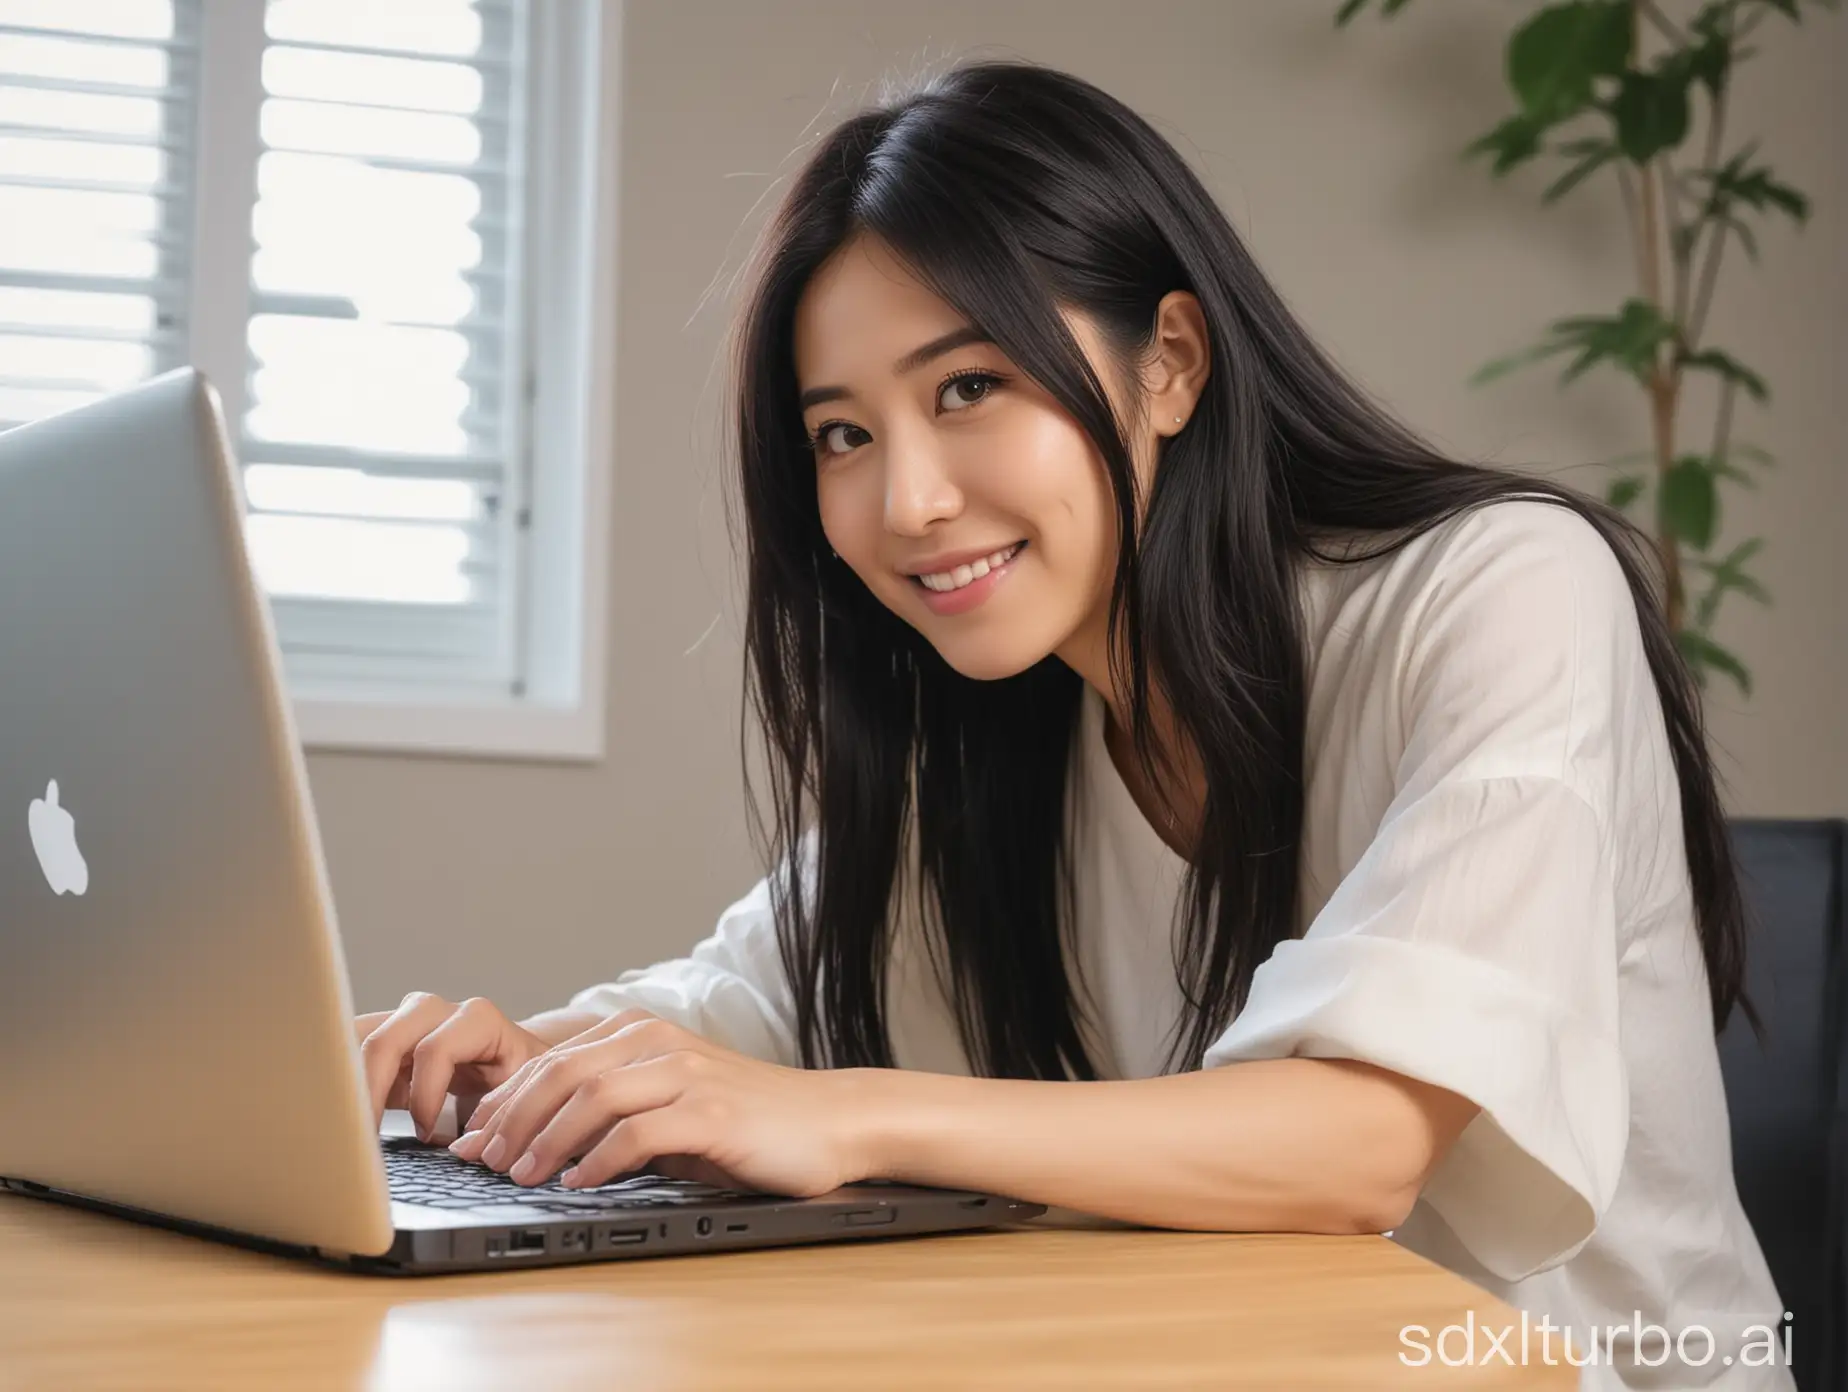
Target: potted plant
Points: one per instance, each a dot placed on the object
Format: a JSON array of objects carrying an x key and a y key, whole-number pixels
[{"x": 1584, "y": 92}]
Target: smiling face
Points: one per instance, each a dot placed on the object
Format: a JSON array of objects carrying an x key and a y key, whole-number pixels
[{"x": 936, "y": 458}]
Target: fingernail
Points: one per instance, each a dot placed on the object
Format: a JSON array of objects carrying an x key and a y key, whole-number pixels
[
  {"x": 524, "y": 1170},
  {"x": 463, "y": 1142},
  {"x": 497, "y": 1148},
  {"x": 569, "y": 1178}
]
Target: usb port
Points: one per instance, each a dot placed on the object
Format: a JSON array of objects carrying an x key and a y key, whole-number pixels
[
  {"x": 624, "y": 1237},
  {"x": 521, "y": 1244}
]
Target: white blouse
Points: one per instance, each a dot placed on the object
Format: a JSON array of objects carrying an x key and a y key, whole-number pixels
[{"x": 1494, "y": 899}]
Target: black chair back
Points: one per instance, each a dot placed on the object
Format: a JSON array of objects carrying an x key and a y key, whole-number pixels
[{"x": 1789, "y": 1097}]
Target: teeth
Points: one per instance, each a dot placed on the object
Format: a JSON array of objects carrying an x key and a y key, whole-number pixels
[{"x": 944, "y": 581}]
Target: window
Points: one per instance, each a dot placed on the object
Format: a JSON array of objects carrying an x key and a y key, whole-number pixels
[
  {"x": 96, "y": 119},
  {"x": 331, "y": 206}
]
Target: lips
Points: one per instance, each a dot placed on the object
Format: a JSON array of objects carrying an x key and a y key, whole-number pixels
[
  {"x": 953, "y": 573},
  {"x": 961, "y": 598}
]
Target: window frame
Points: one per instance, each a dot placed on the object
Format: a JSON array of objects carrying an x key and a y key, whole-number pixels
[{"x": 565, "y": 316}]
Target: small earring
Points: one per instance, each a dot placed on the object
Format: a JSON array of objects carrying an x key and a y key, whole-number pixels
[{"x": 1177, "y": 420}]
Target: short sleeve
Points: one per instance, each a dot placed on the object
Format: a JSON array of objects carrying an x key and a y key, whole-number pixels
[
  {"x": 730, "y": 988},
  {"x": 1474, "y": 944}
]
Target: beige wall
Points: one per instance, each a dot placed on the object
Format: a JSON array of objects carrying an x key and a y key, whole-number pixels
[{"x": 1332, "y": 152}]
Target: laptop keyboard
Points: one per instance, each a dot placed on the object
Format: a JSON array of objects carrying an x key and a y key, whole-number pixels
[{"x": 433, "y": 1177}]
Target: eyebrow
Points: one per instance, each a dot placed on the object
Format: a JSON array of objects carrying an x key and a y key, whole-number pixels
[{"x": 913, "y": 360}]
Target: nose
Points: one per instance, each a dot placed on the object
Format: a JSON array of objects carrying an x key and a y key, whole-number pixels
[{"x": 918, "y": 488}]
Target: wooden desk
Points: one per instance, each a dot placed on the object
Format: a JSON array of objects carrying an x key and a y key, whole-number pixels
[{"x": 88, "y": 1302}]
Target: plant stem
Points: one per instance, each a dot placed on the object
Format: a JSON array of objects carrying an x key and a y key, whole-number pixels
[
  {"x": 1716, "y": 242},
  {"x": 1684, "y": 261},
  {"x": 1634, "y": 216},
  {"x": 1709, "y": 273},
  {"x": 1722, "y": 421}
]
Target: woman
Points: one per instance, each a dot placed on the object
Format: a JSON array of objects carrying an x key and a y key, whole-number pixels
[{"x": 1087, "y": 602}]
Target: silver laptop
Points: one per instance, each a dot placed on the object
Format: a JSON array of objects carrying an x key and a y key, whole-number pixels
[{"x": 175, "y": 1014}]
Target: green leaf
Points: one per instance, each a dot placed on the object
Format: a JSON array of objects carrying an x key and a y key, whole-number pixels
[
  {"x": 1688, "y": 503},
  {"x": 1729, "y": 571},
  {"x": 1554, "y": 56},
  {"x": 1388, "y": 9},
  {"x": 1625, "y": 490},
  {"x": 1733, "y": 182},
  {"x": 1746, "y": 585},
  {"x": 1728, "y": 575},
  {"x": 1629, "y": 341},
  {"x": 1651, "y": 112},
  {"x": 1754, "y": 453},
  {"x": 1500, "y": 367},
  {"x": 1745, "y": 236},
  {"x": 1736, "y": 474},
  {"x": 1515, "y": 141},
  {"x": 1749, "y": 586},
  {"x": 1701, "y": 653},
  {"x": 1763, "y": 189},
  {"x": 1709, "y": 63},
  {"x": 1743, "y": 552},
  {"x": 1788, "y": 7},
  {"x": 1714, "y": 20},
  {"x": 1729, "y": 367},
  {"x": 1593, "y": 160}
]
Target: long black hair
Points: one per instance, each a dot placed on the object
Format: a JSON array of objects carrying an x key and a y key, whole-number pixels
[{"x": 1013, "y": 190}]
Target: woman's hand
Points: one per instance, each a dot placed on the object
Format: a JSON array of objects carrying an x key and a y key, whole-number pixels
[
  {"x": 428, "y": 1047},
  {"x": 636, "y": 1092}
]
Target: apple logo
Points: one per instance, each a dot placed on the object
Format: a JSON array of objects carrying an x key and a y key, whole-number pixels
[{"x": 54, "y": 837}]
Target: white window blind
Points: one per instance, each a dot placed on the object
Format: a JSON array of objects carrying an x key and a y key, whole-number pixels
[
  {"x": 382, "y": 424},
  {"x": 96, "y": 165},
  {"x": 380, "y": 418}
]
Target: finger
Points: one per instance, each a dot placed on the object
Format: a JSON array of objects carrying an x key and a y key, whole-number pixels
[
  {"x": 559, "y": 1073},
  {"x": 555, "y": 1078},
  {"x": 363, "y": 1025},
  {"x": 634, "y": 1142},
  {"x": 479, "y": 1129},
  {"x": 613, "y": 1024},
  {"x": 384, "y": 1051},
  {"x": 490, "y": 1103},
  {"x": 550, "y": 1080},
  {"x": 471, "y": 1034},
  {"x": 611, "y": 1096}
]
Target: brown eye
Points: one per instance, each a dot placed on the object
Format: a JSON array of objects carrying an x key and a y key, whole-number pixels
[
  {"x": 825, "y": 441},
  {"x": 965, "y": 389}
]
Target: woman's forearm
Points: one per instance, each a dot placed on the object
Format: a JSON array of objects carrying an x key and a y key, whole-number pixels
[{"x": 1297, "y": 1145}]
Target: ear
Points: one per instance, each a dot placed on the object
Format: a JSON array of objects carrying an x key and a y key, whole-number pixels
[{"x": 1181, "y": 358}]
